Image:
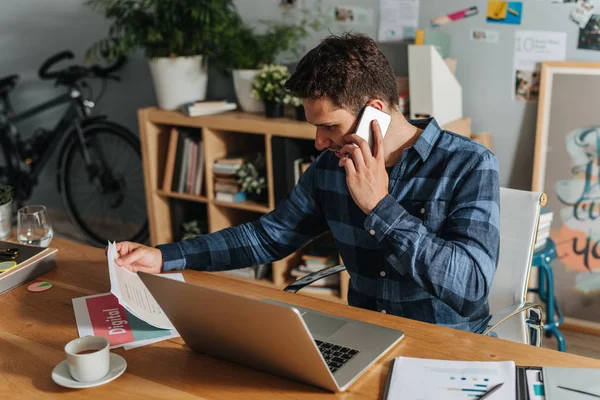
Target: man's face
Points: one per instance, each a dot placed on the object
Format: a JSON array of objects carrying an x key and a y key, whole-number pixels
[{"x": 332, "y": 123}]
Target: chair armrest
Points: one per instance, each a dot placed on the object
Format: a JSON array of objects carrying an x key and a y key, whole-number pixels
[
  {"x": 504, "y": 314},
  {"x": 315, "y": 276}
]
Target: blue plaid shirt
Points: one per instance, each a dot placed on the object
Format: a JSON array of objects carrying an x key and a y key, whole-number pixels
[{"x": 428, "y": 251}]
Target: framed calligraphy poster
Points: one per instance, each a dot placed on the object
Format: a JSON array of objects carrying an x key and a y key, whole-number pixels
[{"x": 567, "y": 153}]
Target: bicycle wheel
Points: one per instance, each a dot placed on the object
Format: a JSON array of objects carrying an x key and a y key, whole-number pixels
[{"x": 105, "y": 200}]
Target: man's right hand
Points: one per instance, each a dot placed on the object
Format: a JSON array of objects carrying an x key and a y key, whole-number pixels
[{"x": 137, "y": 257}]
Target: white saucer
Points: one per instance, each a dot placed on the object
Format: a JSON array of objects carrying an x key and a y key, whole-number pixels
[{"x": 62, "y": 376}]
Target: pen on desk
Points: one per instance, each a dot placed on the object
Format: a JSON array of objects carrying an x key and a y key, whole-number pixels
[
  {"x": 492, "y": 390},
  {"x": 580, "y": 391}
]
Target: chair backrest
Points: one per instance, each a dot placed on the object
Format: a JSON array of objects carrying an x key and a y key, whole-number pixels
[{"x": 519, "y": 218}]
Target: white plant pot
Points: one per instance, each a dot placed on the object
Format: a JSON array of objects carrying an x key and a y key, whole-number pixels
[
  {"x": 242, "y": 83},
  {"x": 6, "y": 220},
  {"x": 178, "y": 80}
]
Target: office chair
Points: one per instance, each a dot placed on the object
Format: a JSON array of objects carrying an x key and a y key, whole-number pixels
[{"x": 513, "y": 318}]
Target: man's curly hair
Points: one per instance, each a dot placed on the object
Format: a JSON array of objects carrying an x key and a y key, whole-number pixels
[{"x": 349, "y": 69}]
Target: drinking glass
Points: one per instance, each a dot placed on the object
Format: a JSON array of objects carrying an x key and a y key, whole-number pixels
[{"x": 33, "y": 226}]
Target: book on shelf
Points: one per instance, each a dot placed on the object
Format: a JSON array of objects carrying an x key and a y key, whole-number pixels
[
  {"x": 321, "y": 290},
  {"x": 229, "y": 165},
  {"x": 543, "y": 232},
  {"x": 194, "y": 109},
  {"x": 239, "y": 197},
  {"x": 261, "y": 271},
  {"x": 184, "y": 169}
]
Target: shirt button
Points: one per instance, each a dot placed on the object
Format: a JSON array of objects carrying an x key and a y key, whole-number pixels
[
  {"x": 383, "y": 312},
  {"x": 372, "y": 232},
  {"x": 422, "y": 211},
  {"x": 382, "y": 273}
]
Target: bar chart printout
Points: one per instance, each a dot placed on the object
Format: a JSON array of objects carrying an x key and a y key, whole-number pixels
[{"x": 420, "y": 379}]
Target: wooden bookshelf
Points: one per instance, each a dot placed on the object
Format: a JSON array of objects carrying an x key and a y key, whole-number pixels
[{"x": 221, "y": 134}]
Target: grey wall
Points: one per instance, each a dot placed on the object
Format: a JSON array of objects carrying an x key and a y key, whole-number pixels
[
  {"x": 31, "y": 31},
  {"x": 485, "y": 72}
]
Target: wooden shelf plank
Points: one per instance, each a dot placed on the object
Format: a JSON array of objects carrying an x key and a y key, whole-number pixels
[
  {"x": 235, "y": 121},
  {"x": 245, "y": 205},
  {"x": 184, "y": 196}
]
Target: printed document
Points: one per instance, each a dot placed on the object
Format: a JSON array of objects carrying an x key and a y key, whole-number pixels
[
  {"x": 133, "y": 295},
  {"x": 420, "y": 379}
]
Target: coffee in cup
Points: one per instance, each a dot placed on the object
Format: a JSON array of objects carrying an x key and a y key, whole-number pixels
[{"x": 88, "y": 358}]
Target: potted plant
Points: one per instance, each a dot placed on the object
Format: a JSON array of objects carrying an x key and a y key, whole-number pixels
[
  {"x": 269, "y": 86},
  {"x": 252, "y": 177},
  {"x": 178, "y": 37},
  {"x": 6, "y": 198},
  {"x": 248, "y": 51},
  {"x": 194, "y": 228}
]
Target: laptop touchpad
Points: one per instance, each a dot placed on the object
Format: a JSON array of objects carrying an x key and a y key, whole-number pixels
[{"x": 321, "y": 325}]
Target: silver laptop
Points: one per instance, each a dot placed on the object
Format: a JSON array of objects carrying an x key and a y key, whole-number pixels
[{"x": 305, "y": 345}]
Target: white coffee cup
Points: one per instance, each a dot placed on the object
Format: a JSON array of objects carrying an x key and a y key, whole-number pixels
[{"x": 88, "y": 358}]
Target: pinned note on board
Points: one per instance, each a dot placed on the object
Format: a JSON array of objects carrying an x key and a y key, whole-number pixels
[
  {"x": 455, "y": 16},
  {"x": 505, "y": 12}
]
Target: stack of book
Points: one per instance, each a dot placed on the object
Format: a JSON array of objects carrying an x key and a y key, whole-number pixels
[
  {"x": 227, "y": 185},
  {"x": 316, "y": 259},
  {"x": 188, "y": 171},
  {"x": 198, "y": 108},
  {"x": 543, "y": 228}
]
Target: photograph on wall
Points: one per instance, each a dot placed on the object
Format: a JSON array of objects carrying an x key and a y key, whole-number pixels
[
  {"x": 589, "y": 37},
  {"x": 582, "y": 12},
  {"x": 485, "y": 35},
  {"x": 504, "y": 12},
  {"x": 531, "y": 48},
  {"x": 353, "y": 16},
  {"x": 566, "y": 169}
]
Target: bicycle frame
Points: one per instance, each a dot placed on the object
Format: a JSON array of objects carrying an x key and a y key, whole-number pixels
[{"x": 72, "y": 118}]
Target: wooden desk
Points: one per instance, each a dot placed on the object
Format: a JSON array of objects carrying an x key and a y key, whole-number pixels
[{"x": 34, "y": 327}]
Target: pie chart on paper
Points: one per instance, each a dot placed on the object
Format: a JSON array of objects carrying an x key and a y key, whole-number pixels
[{"x": 39, "y": 286}]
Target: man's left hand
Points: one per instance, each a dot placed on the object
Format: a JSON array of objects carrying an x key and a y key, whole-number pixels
[{"x": 366, "y": 176}]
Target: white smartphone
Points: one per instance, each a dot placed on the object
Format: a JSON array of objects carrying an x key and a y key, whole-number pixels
[{"x": 368, "y": 114}]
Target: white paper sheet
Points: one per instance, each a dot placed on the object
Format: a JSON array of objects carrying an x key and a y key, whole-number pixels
[
  {"x": 421, "y": 379},
  {"x": 133, "y": 295},
  {"x": 398, "y": 19},
  {"x": 531, "y": 48}
]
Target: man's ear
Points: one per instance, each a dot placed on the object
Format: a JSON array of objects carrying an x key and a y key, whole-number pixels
[{"x": 376, "y": 103}]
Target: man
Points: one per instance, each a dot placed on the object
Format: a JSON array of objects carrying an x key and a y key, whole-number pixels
[{"x": 416, "y": 222}]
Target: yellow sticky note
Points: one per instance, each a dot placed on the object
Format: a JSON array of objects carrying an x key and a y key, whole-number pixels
[{"x": 497, "y": 9}]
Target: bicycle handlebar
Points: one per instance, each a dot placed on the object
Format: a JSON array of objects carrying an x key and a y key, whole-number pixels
[
  {"x": 74, "y": 73},
  {"x": 43, "y": 71}
]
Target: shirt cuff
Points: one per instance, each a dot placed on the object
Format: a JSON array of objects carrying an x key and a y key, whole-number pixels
[
  {"x": 172, "y": 255},
  {"x": 383, "y": 217}
]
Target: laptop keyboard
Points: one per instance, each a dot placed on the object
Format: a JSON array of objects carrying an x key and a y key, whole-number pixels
[{"x": 335, "y": 356}]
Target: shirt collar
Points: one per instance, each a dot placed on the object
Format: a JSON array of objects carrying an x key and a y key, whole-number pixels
[{"x": 430, "y": 135}]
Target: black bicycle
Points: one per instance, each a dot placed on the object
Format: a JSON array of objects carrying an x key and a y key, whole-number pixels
[{"x": 99, "y": 177}]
